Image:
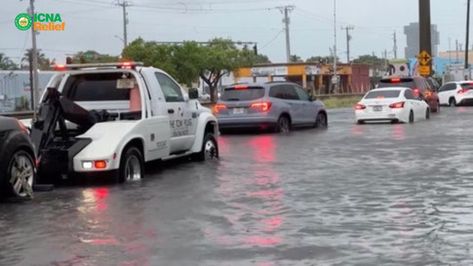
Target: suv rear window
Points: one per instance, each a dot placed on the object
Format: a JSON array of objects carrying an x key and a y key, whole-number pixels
[
  {"x": 95, "y": 87},
  {"x": 383, "y": 94},
  {"x": 397, "y": 82},
  {"x": 242, "y": 93}
]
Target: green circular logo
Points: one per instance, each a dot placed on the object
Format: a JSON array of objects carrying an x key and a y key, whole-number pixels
[{"x": 23, "y": 21}]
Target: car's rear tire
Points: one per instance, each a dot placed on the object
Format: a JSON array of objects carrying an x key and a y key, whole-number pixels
[
  {"x": 427, "y": 114},
  {"x": 131, "y": 165},
  {"x": 452, "y": 102},
  {"x": 283, "y": 125},
  {"x": 321, "y": 121},
  {"x": 209, "y": 150},
  {"x": 411, "y": 117},
  {"x": 20, "y": 175}
]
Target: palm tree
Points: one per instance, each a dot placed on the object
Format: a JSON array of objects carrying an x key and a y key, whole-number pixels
[
  {"x": 43, "y": 62},
  {"x": 6, "y": 63}
]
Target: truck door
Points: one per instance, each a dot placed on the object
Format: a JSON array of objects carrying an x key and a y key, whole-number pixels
[{"x": 181, "y": 118}]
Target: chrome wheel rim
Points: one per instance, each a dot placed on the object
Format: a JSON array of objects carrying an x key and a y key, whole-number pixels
[
  {"x": 210, "y": 150},
  {"x": 284, "y": 125},
  {"x": 22, "y": 175},
  {"x": 132, "y": 168}
]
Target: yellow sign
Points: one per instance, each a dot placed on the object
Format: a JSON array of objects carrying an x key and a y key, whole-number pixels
[
  {"x": 424, "y": 70},
  {"x": 424, "y": 58}
]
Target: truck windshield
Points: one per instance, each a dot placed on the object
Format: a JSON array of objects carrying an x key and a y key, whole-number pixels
[
  {"x": 95, "y": 87},
  {"x": 242, "y": 93}
]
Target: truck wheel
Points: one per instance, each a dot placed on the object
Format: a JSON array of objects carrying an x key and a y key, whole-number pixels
[
  {"x": 20, "y": 175},
  {"x": 209, "y": 149},
  {"x": 131, "y": 165}
]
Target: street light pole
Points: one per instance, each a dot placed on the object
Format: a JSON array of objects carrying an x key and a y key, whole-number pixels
[
  {"x": 34, "y": 55},
  {"x": 467, "y": 65}
]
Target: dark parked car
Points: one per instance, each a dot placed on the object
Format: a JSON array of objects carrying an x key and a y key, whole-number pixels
[
  {"x": 419, "y": 85},
  {"x": 17, "y": 160}
]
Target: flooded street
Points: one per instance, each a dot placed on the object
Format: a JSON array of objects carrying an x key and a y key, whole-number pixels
[{"x": 351, "y": 195}]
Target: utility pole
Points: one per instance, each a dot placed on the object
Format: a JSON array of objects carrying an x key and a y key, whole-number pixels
[
  {"x": 335, "y": 76},
  {"x": 395, "y": 45},
  {"x": 425, "y": 36},
  {"x": 34, "y": 54},
  {"x": 348, "y": 29},
  {"x": 124, "y": 4},
  {"x": 467, "y": 65},
  {"x": 458, "y": 52},
  {"x": 285, "y": 10}
]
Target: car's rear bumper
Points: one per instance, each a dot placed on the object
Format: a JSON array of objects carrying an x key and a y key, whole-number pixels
[
  {"x": 468, "y": 100},
  {"x": 246, "y": 122},
  {"x": 362, "y": 116}
]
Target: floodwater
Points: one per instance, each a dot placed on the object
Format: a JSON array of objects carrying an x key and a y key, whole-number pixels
[{"x": 350, "y": 195}]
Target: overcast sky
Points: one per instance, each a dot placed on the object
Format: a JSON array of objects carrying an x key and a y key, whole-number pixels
[{"x": 98, "y": 25}]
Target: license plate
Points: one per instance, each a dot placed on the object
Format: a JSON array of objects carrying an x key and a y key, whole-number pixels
[
  {"x": 377, "y": 108},
  {"x": 238, "y": 111}
]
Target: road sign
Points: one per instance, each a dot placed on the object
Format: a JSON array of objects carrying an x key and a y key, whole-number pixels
[
  {"x": 424, "y": 70},
  {"x": 424, "y": 58}
]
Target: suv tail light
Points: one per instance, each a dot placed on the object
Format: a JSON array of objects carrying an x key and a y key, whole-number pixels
[
  {"x": 397, "y": 105},
  {"x": 219, "y": 107},
  {"x": 262, "y": 106},
  {"x": 461, "y": 91},
  {"x": 360, "y": 106}
]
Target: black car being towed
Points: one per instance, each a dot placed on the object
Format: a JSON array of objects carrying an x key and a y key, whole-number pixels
[{"x": 17, "y": 163}]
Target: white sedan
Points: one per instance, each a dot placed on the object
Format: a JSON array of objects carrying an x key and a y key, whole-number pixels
[{"x": 394, "y": 105}]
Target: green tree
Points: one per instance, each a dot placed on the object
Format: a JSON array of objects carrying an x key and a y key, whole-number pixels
[
  {"x": 322, "y": 59},
  {"x": 189, "y": 61},
  {"x": 44, "y": 63},
  {"x": 295, "y": 59},
  {"x": 371, "y": 60},
  {"x": 91, "y": 56},
  {"x": 6, "y": 63}
]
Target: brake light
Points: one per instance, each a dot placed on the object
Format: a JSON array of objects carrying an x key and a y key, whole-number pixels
[
  {"x": 360, "y": 106},
  {"x": 263, "y": 106},
  {"x": 461, "y": 91},
  {"x": 219, "y": 107},
  {"x": 59, "y": 67},
  {"x": 397, "y": 105},
  {"x": 100, "y": 164},
  {"x": 241, "y": 87},
  {"x": 395, "y": 80}
]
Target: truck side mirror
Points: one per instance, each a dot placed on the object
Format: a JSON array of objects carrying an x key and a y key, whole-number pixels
[{"x": 193, "y": 94}]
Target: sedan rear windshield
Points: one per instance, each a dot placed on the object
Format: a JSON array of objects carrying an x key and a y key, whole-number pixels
[
  {"x": 242, "y": 93},
  {"x": 383, "y": 94}
]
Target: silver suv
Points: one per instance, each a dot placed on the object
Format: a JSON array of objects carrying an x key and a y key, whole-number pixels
[{"x": 274, "y": 105}]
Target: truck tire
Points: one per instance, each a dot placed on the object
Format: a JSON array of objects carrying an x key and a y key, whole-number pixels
[
  {"x": 209, "y": 150},
  {"x": 131, "y": 165}
]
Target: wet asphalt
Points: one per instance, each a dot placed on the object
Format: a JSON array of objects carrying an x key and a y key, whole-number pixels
[{"x": 351, "y": 195}]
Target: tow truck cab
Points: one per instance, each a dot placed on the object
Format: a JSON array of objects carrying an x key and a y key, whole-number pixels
[{"x": 111, "y": 118}]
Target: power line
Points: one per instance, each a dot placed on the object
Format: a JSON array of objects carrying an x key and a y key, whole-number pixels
[{"x": 285, "y": 10}]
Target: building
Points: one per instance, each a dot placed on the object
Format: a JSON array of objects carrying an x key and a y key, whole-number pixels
[
  {"x": 316, "y": 78},
  {"x": 412, "y": 37}
]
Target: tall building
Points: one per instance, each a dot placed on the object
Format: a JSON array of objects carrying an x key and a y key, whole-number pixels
[{"x": 412, "y": 38}]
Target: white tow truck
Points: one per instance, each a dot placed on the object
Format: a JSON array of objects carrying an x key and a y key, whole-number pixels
[{"x": 109, "y": 119}]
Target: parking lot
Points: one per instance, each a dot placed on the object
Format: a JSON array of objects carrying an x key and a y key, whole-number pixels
[{"x": 353, "y": 194}]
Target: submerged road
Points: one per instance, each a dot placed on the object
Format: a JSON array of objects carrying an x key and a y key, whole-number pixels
[{"x": 351, "y": 195}]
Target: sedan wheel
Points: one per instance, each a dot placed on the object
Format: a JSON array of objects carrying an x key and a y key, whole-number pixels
[
  {"x": 321, "y": 121},
  {"x": 21, "y": 172}
]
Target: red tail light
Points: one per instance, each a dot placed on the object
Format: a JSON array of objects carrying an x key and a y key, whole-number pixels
[
  {"x": 397, "y": 105},
  {"x": 241, "y": 87},
  {"x": 263, "y": 106},
  {"x": 360, "y": 106},
  {"x": 395, "y": 80},
  {"x": 219, "y": 107},
  {"x": 461, "y": 91}
]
